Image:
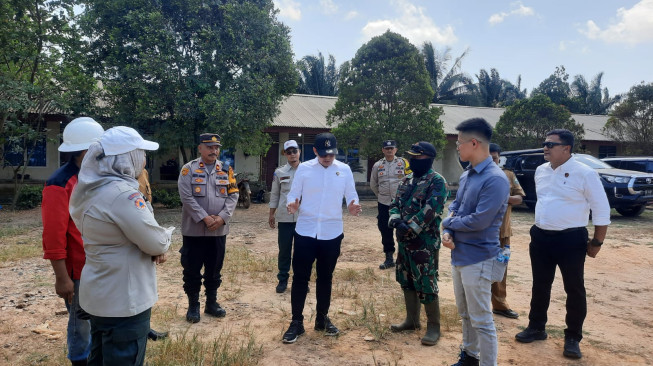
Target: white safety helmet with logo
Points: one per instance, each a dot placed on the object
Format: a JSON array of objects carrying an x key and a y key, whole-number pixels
[{"x": 80, "y": 134}]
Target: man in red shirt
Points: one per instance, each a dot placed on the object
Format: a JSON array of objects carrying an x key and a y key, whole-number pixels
[{"x": 62, "y": 242}]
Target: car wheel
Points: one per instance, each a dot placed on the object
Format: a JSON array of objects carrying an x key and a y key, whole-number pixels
[{"x": 631, "y": 211}]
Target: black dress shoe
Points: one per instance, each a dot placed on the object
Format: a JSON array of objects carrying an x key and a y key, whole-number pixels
[
  {"x": 529, "y": 335},
  {"x": 572, "y": 349},
  {"x": 155, "y": 336},
  {"x": 508, "y": 313},
  {"x": 282, "y": 286}
]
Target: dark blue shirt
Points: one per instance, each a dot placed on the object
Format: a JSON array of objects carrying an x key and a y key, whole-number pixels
[{"x": 478, "y": 210}]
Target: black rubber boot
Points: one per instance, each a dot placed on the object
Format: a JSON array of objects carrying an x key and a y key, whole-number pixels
[
  {"x": 212, "y": 307},
  {"x": 193, "y": 313},
  {"x": 412, "y": 313},
  {"x": 389, "y": 262},
  {"x": 433, "y": 323}
]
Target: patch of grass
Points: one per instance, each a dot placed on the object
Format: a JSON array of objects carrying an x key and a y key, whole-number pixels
[
  {"x": 370, "y": 317},
  {"x": 186, "y": 350},
  {"x": 9, "y": 231},
  {"x": 449, "y": 318},
  {"x": 21, "y": 250},
  {"x": 240, "y": 260}
]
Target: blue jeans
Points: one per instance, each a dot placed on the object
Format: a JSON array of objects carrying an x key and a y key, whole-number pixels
[
  {"x": 119, "y": 341},
  {"x": 472, "y": 287},
  {"x": 79, "y": 331}
]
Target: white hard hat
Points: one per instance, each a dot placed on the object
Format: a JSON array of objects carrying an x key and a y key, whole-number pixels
[{"x": 80, "y": 134}]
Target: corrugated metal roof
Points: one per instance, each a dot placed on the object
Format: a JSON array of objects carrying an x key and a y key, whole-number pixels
[
  {"x": 309, "y": 111},
  {"x": 304, "y": 111},
  {"x": 454, "y": 114}
]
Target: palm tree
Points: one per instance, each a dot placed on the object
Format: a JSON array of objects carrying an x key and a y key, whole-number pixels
[
  {"x": 590, "y": 98},
  {"x": 450, "y": 86},
  {"x": 496, "y": 92},
  {"x": 316, "y": 77}
]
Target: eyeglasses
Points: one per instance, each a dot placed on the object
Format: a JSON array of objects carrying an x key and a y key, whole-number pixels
[
  {"x": 458, "y": 143},
  {"x": 551, "y": 144},
  {"x": 291, "y": 151}
]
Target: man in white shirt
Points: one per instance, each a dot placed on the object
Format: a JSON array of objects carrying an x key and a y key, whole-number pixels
[
  {"x": 281, "y": 184},
  {"x": 566, "y": 192},
  {"x": 320, "y": 185}
]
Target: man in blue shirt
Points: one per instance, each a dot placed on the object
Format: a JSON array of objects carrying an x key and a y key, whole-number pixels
[{"x": 472, "y": 233}]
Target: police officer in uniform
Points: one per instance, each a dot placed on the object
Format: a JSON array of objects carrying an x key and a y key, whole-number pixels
[
  {"x": 209, "y": 194},
  {"x": 416, "y": 213},
  {"x": 386, "y": 175},
  {"x": 281, "y": 184}
]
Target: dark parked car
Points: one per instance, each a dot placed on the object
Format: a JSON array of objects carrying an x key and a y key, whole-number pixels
[
  {"x": 639, "y": 163},
  {"x": 628, "y": 191}
]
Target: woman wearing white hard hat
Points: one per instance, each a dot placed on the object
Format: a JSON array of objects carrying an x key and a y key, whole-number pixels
[
  {"x": 62, "y": 242},
  {"x": 123, "y": 242}
]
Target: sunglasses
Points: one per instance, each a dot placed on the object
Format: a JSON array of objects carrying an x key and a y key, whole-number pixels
[
  {"x": 291, "y": 151},
  {"x": 550, "y": 144}
]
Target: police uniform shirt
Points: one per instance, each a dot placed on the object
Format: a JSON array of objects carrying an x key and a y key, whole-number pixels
[
  {"x": 206, "y": 190},
  {"x": 281, "y": 183},
  {"x": 386, "y": 177}
]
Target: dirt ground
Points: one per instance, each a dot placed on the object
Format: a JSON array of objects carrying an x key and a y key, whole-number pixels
[{"x": 618, "y": 328}]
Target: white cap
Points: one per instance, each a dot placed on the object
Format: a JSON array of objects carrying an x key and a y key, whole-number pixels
[
  {"x": 290, "y": 143},
  {"x": 122, "y": 139},
  {"x": 80, "y": 133}
]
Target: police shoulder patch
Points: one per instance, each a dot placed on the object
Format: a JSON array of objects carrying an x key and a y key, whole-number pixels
[{"x": 184, "y": 171}]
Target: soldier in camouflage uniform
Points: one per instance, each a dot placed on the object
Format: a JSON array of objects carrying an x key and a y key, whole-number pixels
[{"x": 416, "y": 213}]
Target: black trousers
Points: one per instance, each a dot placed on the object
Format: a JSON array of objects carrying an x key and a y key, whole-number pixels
[
  {"x": 325, "y": 254},
  {"x": 202, "y": 251},
  {"x": 119, "y": 340},
  {"x": 566, "y": 250},
  {"x": 387, "y": 238},
  {"x": 285, "y": 240}
]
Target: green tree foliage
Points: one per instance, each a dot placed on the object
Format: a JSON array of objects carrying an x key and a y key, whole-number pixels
[
  {"x": 556, "y": 87},
  {"x": 182, "y": 67},
  {"x": 524, "y": 125},
  {"x": 316, "y": 77},
  {"x": 591, "y": 98},
  {"x": 631, "y": 122},
  {"x": 39, "y": 73},
  {"x": 493, "y": 91},
  {"x": 450, "y": 85},
  {"x": 385, "y": 94}
]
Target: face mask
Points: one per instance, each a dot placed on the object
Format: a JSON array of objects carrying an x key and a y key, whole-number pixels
[{"x": 420, "y": 166}]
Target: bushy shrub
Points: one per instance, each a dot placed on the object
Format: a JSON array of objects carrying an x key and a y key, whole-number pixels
[
  {"x": 30, "y": 197},
  {"x": 169, "y": 198}
]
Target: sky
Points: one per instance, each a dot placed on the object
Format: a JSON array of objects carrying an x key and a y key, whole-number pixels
[{"x": 527, "y": 38}]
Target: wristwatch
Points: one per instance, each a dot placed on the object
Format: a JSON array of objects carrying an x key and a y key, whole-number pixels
[{"x": 595, "y": 242}]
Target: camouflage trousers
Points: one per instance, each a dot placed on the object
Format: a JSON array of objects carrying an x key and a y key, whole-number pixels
[{"x": 417, "y": 268}]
